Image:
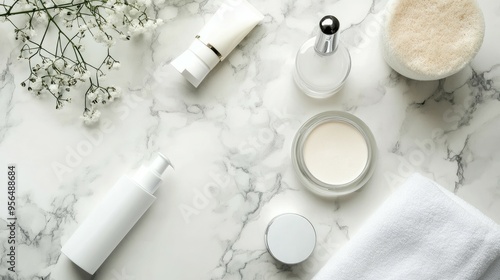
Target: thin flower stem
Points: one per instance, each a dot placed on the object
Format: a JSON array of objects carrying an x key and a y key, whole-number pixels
[
  {"x": 9, "y": 13},
  {"x": 57, "y": 69},
  {"x": 12, "y": 7}
]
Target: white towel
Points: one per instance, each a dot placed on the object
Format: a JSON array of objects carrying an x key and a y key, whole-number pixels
[{"x": 421, "y": 232}]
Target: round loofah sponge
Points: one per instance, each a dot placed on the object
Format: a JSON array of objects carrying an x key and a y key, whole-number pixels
[{"x": 431, "y": 39}]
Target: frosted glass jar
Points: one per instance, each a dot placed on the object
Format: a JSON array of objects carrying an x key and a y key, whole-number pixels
[
  {"x": 334, "y": 153},
  {"x": 322, "y": 63}
]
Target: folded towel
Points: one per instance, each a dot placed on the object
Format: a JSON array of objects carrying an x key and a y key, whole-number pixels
[{"x": 421, "y": 232}]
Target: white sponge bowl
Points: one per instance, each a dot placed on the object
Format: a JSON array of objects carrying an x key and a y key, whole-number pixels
[{"x": 431, "y": 39}]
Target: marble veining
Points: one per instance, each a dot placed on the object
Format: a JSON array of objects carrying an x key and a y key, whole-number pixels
[{"x": 230, "y": 143}]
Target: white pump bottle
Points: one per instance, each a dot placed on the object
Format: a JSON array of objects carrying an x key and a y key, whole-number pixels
[{"x": 112, "y": 219}]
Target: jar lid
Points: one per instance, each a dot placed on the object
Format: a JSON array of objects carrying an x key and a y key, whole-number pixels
[{"x": 290, "y": 238}]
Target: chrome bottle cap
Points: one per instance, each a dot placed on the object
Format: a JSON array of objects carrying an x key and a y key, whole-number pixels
[{"x": 327, "y": 39}]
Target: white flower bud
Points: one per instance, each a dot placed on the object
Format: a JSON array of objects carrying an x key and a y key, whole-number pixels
[
  {"x": 37, "y": 85},
  {"x": 59, "y": 64},
  {"x": 54, "y": 88},
  {"x": 91, "y": 96},
  {"x": 91, "y": 116}
]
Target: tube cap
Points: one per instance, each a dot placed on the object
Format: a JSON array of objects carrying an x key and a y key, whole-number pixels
[{"x": 196, "y": 62}]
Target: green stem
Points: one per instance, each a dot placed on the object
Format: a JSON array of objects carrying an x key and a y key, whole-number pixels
[
  {"x": 64, "y": 6},
  {"x": 75, "y": 48},
  {"x": 11, "y": 7}
]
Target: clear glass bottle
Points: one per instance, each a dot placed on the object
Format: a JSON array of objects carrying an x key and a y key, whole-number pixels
[{"x": 322, "y": 63}]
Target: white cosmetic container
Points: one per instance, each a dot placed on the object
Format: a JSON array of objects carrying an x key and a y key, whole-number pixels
[
  {"x": 290, "y": 238},
  {"x": 220, "y": 35},
  {"x": 107, "y": 225},
  {"x": 334, "y": 153}
]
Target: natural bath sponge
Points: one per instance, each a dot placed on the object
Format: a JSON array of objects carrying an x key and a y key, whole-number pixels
[{"x": 431, "y": 39}]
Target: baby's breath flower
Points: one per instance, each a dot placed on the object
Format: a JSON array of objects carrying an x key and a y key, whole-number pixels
[
  {"x": 26, "y": 6},
  {"x": 54, "y": 88},
  {"x": 37, "y": 85},
  {"x": 134, "y": 12},
  {"x": 99, "y": 98},
  {"x": 116, "y": 65},
  {"x": 82, "y": 28},
  {"x": 120, "y": 8},
  {"x": 91, "y": 95},
  {"x": 31, "y": 33},
  {"x": 58, "y": 69},
  {"x": 91, "y": 116},
  {"x": 158, "y": 22},
  {"x": 47, "y": 64},
  {"x": 60, "y": 64},
  {"x": 84, "y": 75},
  {"x": 40, "y": 17},
  {"x": 113, "y": 93}
]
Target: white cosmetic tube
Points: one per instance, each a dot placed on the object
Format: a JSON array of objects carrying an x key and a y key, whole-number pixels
[
  {"x": 104, "y": 228},
  {"x": 221, "y": 34}
]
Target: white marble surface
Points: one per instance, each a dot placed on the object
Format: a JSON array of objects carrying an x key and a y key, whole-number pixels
[{"x": 232, "y": 136}]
